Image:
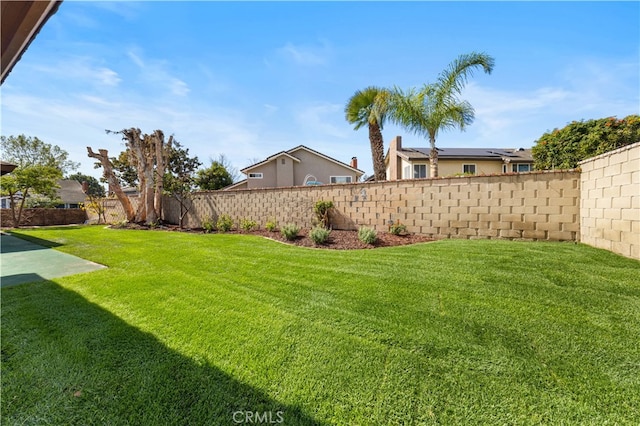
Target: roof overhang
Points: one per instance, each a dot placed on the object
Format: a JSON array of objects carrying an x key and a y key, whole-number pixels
[
  {"x": 358, "y": 172},
  {"x": 21, "y": 22},
  {"x": 270, "y": 159},
  {"x": 6, "y": 167}
]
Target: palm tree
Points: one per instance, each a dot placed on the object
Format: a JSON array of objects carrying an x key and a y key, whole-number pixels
[
  {"x": 370, "y": 107},
  {"x": 436, "y": 107}
]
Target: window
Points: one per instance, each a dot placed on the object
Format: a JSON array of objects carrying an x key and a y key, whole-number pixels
[
  {"x": 255, "y": 175},
  {"x": 419, "y": 171},
  {"x": 283, "y": 161},
  {"x": 516, "y": 168},
  {"x": 469, "y": 169},
  {"x": 340, "y": 179}
]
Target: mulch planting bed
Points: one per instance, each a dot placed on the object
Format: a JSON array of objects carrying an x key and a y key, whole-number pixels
[{"x": 338, "y": 240}]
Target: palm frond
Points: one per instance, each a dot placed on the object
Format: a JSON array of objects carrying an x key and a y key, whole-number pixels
[
  {"x": 367, "y": 106},
  {"x": 453, "y": 79}
]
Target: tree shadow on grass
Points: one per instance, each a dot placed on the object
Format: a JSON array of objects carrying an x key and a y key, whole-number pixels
[
  {"x": 12, "y": 243},
  {"x": 66, "y": 360}
]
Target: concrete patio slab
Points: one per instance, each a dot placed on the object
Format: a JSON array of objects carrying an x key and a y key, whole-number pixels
[{"x": 22, "y": 261}]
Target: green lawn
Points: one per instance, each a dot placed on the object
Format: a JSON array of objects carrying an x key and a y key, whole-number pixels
[{"x": 186, "y": 329}]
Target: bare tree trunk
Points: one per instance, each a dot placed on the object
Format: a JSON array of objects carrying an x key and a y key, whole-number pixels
[
  {"x": 150, "y": 157},
  {"x": 148, "y": 152},
  {"x": 16, "y": 216},
  {"x": 377, "y": 152},
  {"x": 433, "y": 158},
  {"x": 162, "y": 159},
  {"x": 135, "y": 145},
  {"x": 433, "y": 164},
  {"x": 107, "y": 170}
]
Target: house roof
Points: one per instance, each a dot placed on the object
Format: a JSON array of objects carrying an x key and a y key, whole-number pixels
[
  {"x": 520, "y": 154},
  {"x": 70, "y": 191},
  {"x": 241, "y": 184},
  {"x": 291, "y": 154},
  {"x": 6, "y": 167},
  {"x": 21, "y": 22},
  {"x": 271, "y": 158}
]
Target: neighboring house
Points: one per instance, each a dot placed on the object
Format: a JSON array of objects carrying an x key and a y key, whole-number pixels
[
  {"x": 71, "y": 193},
  {"x": 5, "y": 202},
  {"x": 297, "y": 167},
  {"x": 413, "y": 163}
]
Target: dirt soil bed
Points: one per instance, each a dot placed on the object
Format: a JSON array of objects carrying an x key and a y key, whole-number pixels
[{"x": 338, "y": 240}]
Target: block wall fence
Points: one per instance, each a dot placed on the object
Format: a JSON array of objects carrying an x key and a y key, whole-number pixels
[
  {"x": 610, "y": 201},
  {"x": 599, "y": 205},
  {"x": 45, "y": 217},
  {"x": 536, "y": 206}
]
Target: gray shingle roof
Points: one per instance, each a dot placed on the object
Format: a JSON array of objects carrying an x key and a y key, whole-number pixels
[{"x": 70, "y": 191}]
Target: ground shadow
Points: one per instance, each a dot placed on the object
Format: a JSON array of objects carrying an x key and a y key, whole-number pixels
[
  {"x": 11, "y": 280},
  {"x": 12, "y": 243},
  {"x": 66, "y": 360}
]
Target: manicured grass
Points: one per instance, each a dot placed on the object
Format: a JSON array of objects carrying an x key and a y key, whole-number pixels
[{"x": 190, "y": 329}]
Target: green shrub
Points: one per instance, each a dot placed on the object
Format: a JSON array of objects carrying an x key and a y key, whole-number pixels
[
  {"x": 207, "y": 224},
  {"x": 290, "y": 231},
  {"x": 319, "y": 235},
  {"x": 224, "y": 223},
  {"x": 367, "y": 235},
  {"x": 398, "y": 229},
  {"x": 248, "y": 224},
  {"x": 271, "y": 225},
  {"x": 564, "y": 148},
  {"x": 321, "y": 209}
]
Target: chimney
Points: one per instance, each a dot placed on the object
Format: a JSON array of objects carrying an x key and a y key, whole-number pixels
[
  {"x": 85, "y": 186},
  {"x": 354, "y": 162},
  {"x": 394, "y": 170}
]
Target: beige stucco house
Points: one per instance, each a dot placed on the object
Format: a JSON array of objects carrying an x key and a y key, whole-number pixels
[
  {"x": 413, "y": 163},
  {"x": 296, "y": 167}
]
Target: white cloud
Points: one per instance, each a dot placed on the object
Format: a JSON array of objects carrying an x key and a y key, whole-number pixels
[
  {"x": 108, "y": 77},
  {"x": 322, "y": 119},
  {"x": 81, "y": 69},
  {"x": 135, "y": 59},
  {"x": 306, "y": 55},
  {"x": 155, "y": 72},
  {"x": 178, "y": 87}
]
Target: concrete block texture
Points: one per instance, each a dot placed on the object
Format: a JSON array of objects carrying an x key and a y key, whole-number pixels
[
  {"x": 609, "y": 217},
  {"x": 481, "y": 206}
]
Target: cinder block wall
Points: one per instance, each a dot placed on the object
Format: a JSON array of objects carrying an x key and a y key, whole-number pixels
[
  {"x": 610, "y": 201},
  {"x": 45, "y": 217},
  {"x": 536, "y": 206}
]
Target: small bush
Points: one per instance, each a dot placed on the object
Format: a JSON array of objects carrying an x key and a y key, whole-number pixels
[
  {"x": 248, "y": 224},
  {"x": 208, "y": 225},
  {"x": 224, "y": 223},
  {"x": 121, "y": 224},
  {"x": 319, "y": 235},
  {"x": 290, "y": 231},
  {"x": 398, "y": 229},
  {"x": 367, "y": 235},
  {"x": 321, "y": 209},
  {"x": 271, "y": 225}
]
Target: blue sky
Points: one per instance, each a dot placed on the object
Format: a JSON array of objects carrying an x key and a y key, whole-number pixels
[{"x": 249, "y": 79}]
